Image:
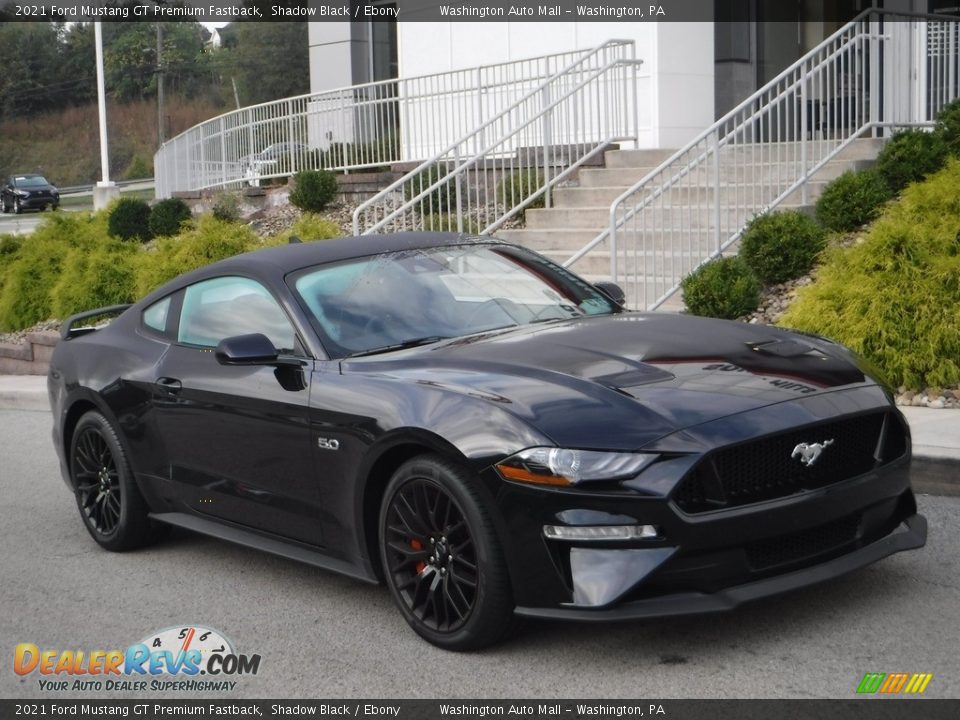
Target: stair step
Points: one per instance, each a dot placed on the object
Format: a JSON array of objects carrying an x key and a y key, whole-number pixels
[
  {"x": 652, "y": 266},
  {"x": 766, "y": 170},
  {"x": 650, "y": 157},
  {"x": 736, "y": 194},
  {"x": 596, "y": 218},
  {"x": 658, "y": 241}
]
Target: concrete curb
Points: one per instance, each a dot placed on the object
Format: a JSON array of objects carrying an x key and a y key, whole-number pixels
[
  {"x": 935, "y": 476},
  {"x": 24, "y": 392}
]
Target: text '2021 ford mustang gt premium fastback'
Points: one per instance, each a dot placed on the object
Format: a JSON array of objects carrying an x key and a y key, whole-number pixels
[{"x": 481, "y": 430}]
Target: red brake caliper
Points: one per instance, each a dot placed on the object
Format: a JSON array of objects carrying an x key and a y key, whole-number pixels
[{"x": 417, "y": 545}]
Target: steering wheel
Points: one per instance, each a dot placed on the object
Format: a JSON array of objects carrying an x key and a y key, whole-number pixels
[{"x": 506, "y": 306}]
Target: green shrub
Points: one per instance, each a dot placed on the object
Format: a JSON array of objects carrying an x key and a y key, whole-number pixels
[
  {"x": 722, "y": 288},
  {"x": 207, "y": 241},
  {"x": 9, "y": 245},
  {"x": 448, "y": 223},
  {"x": 910, "y": 156},
  {"x": 441, "y": 199},
  {"x": 226, "y": 206},
  {"x": 97, "y": 276},
  {"x": 314, "y": 190},
  {"x": 167, "y": 216},
  {"x": 36, "y": 267},
  {"x": 852, "y": 200},
  {"x": 781, "y": 246},
  {"x": 518, "y": 186},
  {"x": 948, "y": 127},
  {"x": 308, "y": 227},
  {"x": 895, "y": 297},
  {"x": 129, "y": 218},
  {"x": 139, "y": 168}
]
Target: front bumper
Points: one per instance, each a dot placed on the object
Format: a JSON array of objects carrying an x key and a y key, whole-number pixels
[
  {"x": 910, "y": 534},
  {"x": 705, "y": 559},
  {"x": 38, "y": 202}
]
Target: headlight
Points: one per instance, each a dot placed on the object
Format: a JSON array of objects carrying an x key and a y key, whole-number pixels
[
  {"x": 22, "y": 193},
  {"x": 560, "y": 466}
]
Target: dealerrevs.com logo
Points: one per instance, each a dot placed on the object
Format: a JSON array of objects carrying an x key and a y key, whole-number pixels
[{"x": 188, "y": 658}]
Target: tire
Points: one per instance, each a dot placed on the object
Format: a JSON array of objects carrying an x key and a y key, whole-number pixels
[
  {"x": 110, "y": 504},
  {"x": 17, "y": 209},
  {"x": 441, "y": 558}
]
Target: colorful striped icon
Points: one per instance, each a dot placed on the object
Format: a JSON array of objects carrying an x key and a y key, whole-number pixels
[{"x": 894, "y": 683}]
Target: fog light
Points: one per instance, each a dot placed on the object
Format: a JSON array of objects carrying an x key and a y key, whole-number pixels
[{"x": 600, "y": 532}]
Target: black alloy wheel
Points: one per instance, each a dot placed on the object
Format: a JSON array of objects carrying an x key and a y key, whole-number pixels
[
  {"x": 440, "y": 556},
  {"x": 113, "y": 510},
  {"x": 97, "y": 480}
]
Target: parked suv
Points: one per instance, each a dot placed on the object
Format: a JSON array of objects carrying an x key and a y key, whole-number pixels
[{"x": 28, "y": 192}]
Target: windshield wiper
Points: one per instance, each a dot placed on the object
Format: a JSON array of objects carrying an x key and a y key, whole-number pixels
[{"x": 412, "y": 343}]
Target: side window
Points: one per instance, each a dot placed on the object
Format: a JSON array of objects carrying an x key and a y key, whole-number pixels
[
  {"x": 155, "y": 316},
  {"x": 228, "y": 306}
]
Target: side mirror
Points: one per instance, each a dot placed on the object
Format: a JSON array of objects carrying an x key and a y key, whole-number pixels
[
  {"x": 612, "y": 291},
  {"x": 255, "y": 349}
]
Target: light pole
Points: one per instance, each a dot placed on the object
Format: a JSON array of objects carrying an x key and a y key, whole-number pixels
[{"x": 105, "y": 191}]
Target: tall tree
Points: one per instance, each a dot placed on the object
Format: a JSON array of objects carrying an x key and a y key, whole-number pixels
[{"x": 269, "y": 60}]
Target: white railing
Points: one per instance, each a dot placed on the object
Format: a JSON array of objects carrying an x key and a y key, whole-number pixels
[
  {"x": 881, "y": 71},
  {"x": 347, "y": 129},
  {"x": 515, "y": 158}
]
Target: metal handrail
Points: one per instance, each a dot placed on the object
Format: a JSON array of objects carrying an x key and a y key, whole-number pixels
[
  {"x": 411, "y": 211},
  {"x": 852, "y": 75},
  {"x": 480, "y": 161},
  {"x": 346, "y": 129}
]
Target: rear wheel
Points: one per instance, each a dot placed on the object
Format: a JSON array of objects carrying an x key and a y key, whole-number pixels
[
  {"x": 443, "y": 564},
  {"x": 113, "y": 510}
]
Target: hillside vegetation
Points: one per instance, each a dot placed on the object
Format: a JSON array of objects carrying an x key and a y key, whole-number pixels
[{"x": 64, "y": 145}]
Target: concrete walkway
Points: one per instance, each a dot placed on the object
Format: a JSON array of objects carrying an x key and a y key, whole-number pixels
[{"x": 936, "y": 433}]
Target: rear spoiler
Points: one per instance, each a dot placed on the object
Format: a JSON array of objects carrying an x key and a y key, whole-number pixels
[{"x": 67, "y": 330}]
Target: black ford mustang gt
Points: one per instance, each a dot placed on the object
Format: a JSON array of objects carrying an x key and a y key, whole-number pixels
[{"x": 482, "y": 430}]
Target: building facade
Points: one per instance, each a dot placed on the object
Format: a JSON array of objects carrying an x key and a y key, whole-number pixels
[{"x": 692, "y": 72}]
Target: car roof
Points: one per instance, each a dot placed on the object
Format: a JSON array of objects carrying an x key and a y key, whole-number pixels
[{"x": 277, "y": 262}]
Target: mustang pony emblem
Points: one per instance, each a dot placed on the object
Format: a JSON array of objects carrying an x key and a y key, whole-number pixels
[{"x": 810, "y": 453}]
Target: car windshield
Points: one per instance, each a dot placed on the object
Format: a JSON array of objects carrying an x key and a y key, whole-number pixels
[
  {"x": 31, "y": 181},
  {"x": 398, "y": 299}
]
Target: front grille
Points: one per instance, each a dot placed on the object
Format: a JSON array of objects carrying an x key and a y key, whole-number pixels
[
  {"x": 802, "y": 545},
  {"x": 766, "y": 468}
]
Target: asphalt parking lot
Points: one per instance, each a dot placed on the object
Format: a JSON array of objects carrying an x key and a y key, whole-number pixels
[{"x": 321, "y": 635}]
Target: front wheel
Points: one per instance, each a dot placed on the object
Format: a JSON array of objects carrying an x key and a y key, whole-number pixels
[
  {"x": 441, "y": 558},
  {"x": 113, "y": 510}
]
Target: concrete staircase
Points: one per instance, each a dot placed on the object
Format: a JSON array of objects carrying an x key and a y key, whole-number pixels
[{"x": 581, "y": 212}]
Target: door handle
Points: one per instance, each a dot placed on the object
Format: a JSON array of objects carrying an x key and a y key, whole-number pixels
[{"x": 169, "y": 385}]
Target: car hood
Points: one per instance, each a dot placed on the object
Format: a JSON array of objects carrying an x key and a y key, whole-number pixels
[{"x": 622, "y": 381}]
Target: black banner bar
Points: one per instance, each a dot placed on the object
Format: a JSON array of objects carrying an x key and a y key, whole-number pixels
[
  {"x": 419, "y": 10},
  {"x": 859, "y": 709}
]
